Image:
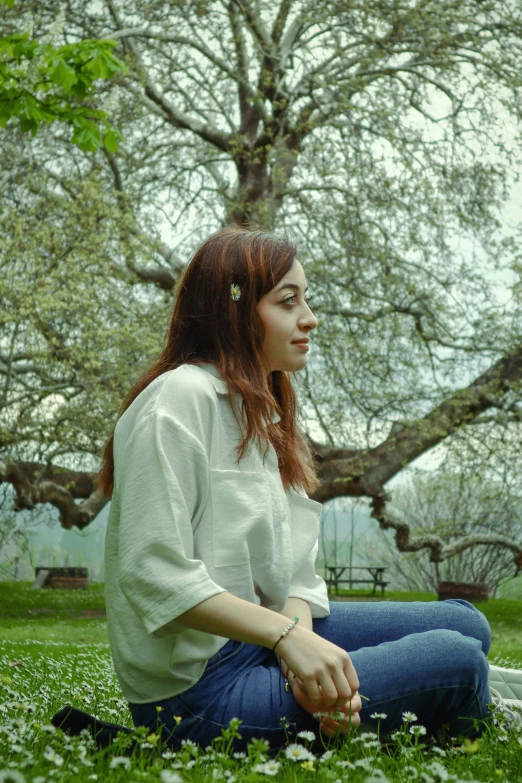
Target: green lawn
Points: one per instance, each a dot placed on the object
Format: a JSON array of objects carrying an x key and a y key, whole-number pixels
[
  {"x": 65, "y": 615},
  {"x": 54, "y": 652}
]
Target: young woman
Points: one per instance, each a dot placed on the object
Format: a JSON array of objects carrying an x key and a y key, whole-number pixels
[{"x": 212, "y": 539}]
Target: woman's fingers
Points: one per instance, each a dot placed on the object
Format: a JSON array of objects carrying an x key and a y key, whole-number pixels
[
  {"x": 331, "y": 727},
  {"x": 351, "y": 676}
]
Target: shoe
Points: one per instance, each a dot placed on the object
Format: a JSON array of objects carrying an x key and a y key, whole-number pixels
[
  {"x": 507, "y": 682},
  {"x": 509, "y": 708}
]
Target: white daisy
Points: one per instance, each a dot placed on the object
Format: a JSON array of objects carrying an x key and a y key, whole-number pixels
[
  {"x": 417, "y": 730},
  {"x": 170, "y": 777},
  {"x": 118, "y": 761},
  {"x": 50, "y": 755},
  {"x": 11, "y": 776},
  {"x": 409, "y": 717},
  {"x": 298, "y": 752},
  {"x": 438, "y": 770},
  {"x": 326, "y": 755},
  {"x": 308, "y": 735},
  {"x": 378, "y": 715},
  {"x": 270, "y": 767}
]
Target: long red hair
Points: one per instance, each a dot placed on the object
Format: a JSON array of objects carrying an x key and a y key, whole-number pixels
[{"x": 208, "y": 325}]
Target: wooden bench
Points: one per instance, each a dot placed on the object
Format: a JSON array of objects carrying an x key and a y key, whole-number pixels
[
  {"x": 65, "y": 578},
  {"x": 376, "y": 577}
]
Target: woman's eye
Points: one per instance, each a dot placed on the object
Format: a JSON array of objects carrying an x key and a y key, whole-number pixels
[{"x": 308, "y": 300}]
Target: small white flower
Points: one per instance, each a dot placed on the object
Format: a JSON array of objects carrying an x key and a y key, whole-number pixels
[
  {"x": 94, "y": 776},
  {"x": 298, "y": 752},
  {"x": 239, "y": 755},
  {"x": 440, "y": 751},
  {"x": 438, "y": 770},
  {"x": 168, "y": 754},
  {"x": 11, "y": 776},
  {"x": 409, "y": 717},
  {"x": 365, "y": 736},
  {"x": 268, "y": 768},
  {"x": 377, "y": 776},
  {"x": 170, "y": 777},
  {"x": 217, "y": 774},
  {"x": 118, "y": 761},
  {"x": 50, "y": 755},
  {"x": 308, "y": 735},
  {"x": 417, "y": 730},
  {"x": 327, "y": 755},
  {"x": 364, "y": 763},
  {"x": 378, "y": 715},
  {"x": 56, "y": 29},
  {"x": 111, "y": 101}
]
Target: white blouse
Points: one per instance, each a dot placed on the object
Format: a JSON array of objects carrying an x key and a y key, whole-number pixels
[{"x": 186, "y": 523}]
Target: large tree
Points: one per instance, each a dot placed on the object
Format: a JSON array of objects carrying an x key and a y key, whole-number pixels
[{"x": 381, "y": 134}]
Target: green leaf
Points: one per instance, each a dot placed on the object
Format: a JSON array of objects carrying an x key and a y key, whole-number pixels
[
  {"x": 97, "y": 67},
  {"x": 8, "y": 3},
  {"x": 64, "y": 75},
  {"x": 110, "y": 141},
  {"x": 79, "y": 90},
  {"x": 28, "y": 124},
  {"x": 87, "y": 136}
]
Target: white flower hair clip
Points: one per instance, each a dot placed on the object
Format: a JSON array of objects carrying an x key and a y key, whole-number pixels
[{"x": 235, "y": 291}]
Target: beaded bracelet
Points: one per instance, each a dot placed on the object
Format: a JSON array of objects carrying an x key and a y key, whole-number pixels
[{"x": 287, "y": 629}]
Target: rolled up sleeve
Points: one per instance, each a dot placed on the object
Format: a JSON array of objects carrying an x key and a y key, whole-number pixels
[
  {"x": 309, "y": 586},
  {"x": 163, "y": 486}
]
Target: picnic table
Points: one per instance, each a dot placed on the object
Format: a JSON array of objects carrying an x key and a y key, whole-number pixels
[{"x": 375, "y": 578}]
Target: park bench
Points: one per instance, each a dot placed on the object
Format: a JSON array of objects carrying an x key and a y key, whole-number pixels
[
  {"x": 375, "y": 578},
  {"x": 66, "y": 578}
]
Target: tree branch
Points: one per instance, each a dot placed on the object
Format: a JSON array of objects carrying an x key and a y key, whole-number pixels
[{"x": 390, "y": 518}]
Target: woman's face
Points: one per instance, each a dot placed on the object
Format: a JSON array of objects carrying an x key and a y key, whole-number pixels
[{"x": 286, "y": 317}]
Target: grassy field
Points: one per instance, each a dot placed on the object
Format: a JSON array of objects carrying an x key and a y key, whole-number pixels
[{"x": 54, "y": 651}]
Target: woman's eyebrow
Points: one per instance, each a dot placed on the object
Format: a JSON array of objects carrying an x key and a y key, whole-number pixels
[{"x": 290, "y": 285}]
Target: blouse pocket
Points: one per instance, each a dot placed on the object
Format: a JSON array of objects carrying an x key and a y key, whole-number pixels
[{"x": 240, "y": 505}]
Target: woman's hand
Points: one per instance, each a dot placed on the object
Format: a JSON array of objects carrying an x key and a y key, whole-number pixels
[
  {"x": 329, "y": 726},
  {"x": 325, "y": 670}
]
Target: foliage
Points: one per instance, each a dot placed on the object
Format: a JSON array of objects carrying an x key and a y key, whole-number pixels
[
  {"x": 40, "y": 83},
  {"x": 85, "y": 327}
]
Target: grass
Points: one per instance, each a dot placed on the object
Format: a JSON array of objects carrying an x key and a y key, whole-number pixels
[{"x": 61, "y": 656}]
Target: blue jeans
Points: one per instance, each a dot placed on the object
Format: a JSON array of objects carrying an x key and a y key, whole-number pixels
[{"x": 427, "y": 658}]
